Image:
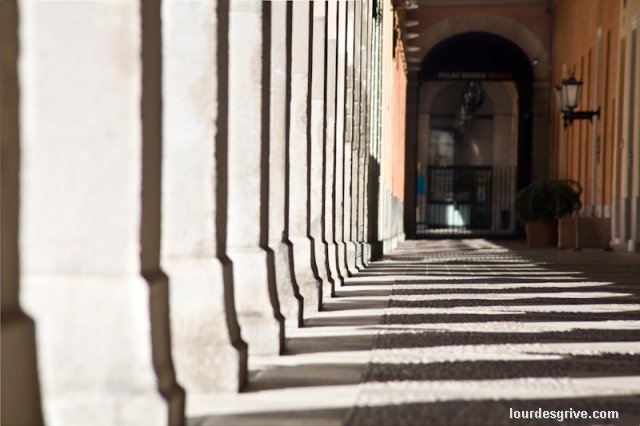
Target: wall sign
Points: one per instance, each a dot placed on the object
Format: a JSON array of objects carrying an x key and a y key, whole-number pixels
[{"x": 466, "y": 75}]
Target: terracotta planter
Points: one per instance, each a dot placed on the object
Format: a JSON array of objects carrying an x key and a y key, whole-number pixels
[
  {"x": 593, "y": 232},
  {"x": 567, "y": 233},
  {"x": 542, "y": 234},
  {"x": 584, "y": 232}
]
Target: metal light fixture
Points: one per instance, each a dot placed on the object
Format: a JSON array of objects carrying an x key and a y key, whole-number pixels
[
  {"x": 568, "y": 97},
  {"x": 405, "y": 4},
  {"x": 472, "y": 100}
]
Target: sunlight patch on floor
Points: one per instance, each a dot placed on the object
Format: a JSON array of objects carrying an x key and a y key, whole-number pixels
[{"x": 410, "y": 392}]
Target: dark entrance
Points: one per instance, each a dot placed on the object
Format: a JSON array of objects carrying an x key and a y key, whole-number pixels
[
  {"x": 459, "y": 196},
  {"x": 464, "y": 184}
]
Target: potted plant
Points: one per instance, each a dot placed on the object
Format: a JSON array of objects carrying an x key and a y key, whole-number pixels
[{"x": 540, "y": 205}]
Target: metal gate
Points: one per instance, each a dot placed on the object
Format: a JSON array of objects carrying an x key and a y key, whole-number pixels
[{"x": 465, "y": 200}]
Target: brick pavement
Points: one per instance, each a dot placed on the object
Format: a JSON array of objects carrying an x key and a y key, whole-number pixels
[{"x": 458, "y": 332}]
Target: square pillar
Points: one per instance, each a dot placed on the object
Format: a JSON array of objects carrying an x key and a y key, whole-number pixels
[
  {"x": 90, "y": 185},
  {"x": 339, "y": 178},
  {"x": 289, "y": 296},
  {"x": 350, "y": 167},
  {"x": 330, "y": 156},
  {"x": 316, "y": 146},
  {"x": 207, "y": 348},
  {"x": 20, "y": 384},
  {"x": 297, "y": 152},
  {"x": 364, "y": 134},
  {"x": 255, "y": 289},
  {"x": 356, "y": 148}
]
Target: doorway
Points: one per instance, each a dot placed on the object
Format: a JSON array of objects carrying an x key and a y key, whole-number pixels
[{"x": 473, "y": 136}]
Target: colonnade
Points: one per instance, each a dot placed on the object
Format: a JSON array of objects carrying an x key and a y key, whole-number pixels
[{"x": 182, "y": 182}]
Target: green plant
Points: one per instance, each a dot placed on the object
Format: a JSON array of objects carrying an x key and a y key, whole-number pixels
[{"x": 546, "y": 200}]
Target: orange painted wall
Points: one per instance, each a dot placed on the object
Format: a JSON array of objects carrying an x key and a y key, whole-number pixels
[
  {"x": 394, "y": 88},
  {"x": 574, "y": 50},
  {"x": 398, "y": 123}
]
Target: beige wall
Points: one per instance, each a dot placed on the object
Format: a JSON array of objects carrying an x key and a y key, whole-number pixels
[
  {"x": 576, "y": 44},
  {"x": 594, "y": 40},
  {"x": 393, "y": 119}
]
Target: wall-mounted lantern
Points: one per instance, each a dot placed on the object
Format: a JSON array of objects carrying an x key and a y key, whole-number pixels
[
  {"x": 472, "y": 100},
  {"x": 568, "y": 96}
]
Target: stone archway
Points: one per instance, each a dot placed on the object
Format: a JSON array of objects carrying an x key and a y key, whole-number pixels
[
  {"x": 494, "y": 138},
  {"x": 511, "y": 30},
  {"x": 538, "y": 56}
]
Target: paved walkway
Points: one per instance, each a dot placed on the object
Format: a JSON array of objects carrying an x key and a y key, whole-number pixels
[{"x": 457, "y": 332}]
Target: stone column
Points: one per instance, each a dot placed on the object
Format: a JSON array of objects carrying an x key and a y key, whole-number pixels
[
  {"x": 255, "y": 289},
  {"x": 316, "y": 145},
  {"x": 330, "y": 145},
  {"x": 375, "y": 194},
  {"x": 20, "y": 386},
  {"x": 207, "y": 348},
  {"x": 288, "y": 292},
  {"x": 151, "y": 218},
  {"x": 356, "y": 141},
  {"x": 91, "y": 212},
  {"x": 298, "y": 214},
  {"x": 349, "y": 143},
  {"x": 339, "y": 180},
  {"x": 364, "y": 135}
]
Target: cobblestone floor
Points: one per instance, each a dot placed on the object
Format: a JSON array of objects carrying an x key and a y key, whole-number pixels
[{"x": 457, "y": 332}]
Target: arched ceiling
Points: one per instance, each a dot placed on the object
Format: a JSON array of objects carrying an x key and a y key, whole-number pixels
[
  {"x": 476, "y": 53},
  {"x": 526, "y": 23}
]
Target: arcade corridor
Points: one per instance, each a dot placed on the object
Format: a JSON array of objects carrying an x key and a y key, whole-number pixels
[{"x": 246, "y": 212}]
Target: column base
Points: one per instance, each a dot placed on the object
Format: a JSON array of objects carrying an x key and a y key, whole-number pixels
[
  {"x": 376, "y": 248},
  {"x": 261, "y": 324},
  {"x": 351, "y": 253},
  {"x": 95, "y": 350},
  {"x": 366, "y": 253},
  {"x": 291, "y": 302},
  {"x": 633, "y": 246},
  {"x": 624, "y": 218},
  {"x": 634, "y": 219},
  {"x": 324, "y": 273},
  {"x": 360, "y": 253},
  {"x": 390, "y": 244},
  {"x": 341, "y": 253},
  {"x": 20, "y": 386},
  {"x": 207, "y": 356},
  {"x": 310, "y": 287},
  {"x": 331, "y": 253}
]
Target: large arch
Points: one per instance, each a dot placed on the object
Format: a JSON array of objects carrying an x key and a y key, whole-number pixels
[
  {"x": 537, "y": 55},
  {"x": 509, "y": 29},
  {"x": 437, "y": 101}
]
